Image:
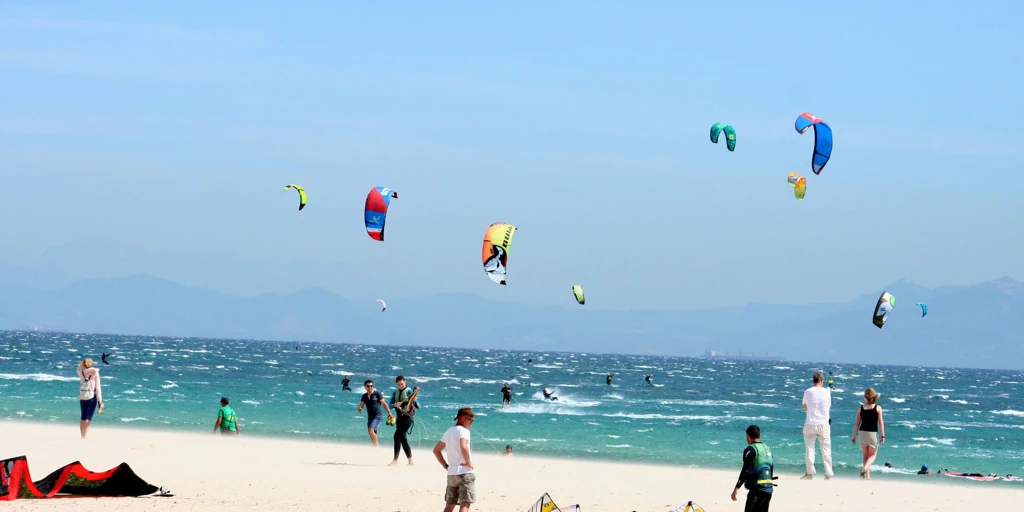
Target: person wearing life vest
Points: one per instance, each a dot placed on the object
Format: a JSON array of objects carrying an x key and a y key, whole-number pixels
[
  {"x": 404, "y": 402},
  {"x": 757, "y": 473}
]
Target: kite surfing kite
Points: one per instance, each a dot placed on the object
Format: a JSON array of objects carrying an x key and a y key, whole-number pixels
[
  {"x": 822, "y": 139},
  {"x": 72, "y": 479},
  {"x": 730, "y": 135},
  {"x": 577, "y": 290},
  {"x": 302, "y": 194},
  {"x": 924, "y": 309},
  {"x": 377, "y": 202},
  {"x": 546, "y": 504},
  {"x": 799, "y": 184},
  {"x": 885, "y": 304},
  {"x": 497, "y": 242},
  {"x": 689, "y": 507},
  {"x": 383, "y": 306}
]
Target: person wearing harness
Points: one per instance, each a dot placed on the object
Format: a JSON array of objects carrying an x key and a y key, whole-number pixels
[
  {"x": 506, "y": 395},
  {"x": 404, "y": 404},
  {"x": 90, "y": 393},
  {"x": 757, "y": 473}
]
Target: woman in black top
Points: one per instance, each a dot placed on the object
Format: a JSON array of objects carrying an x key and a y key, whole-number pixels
[{"x": 869, "y": 429}]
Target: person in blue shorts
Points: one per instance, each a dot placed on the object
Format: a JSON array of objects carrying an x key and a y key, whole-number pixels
[{"x": 373, "y": 400}]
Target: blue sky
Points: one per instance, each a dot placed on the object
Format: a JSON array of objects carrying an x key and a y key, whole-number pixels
[{"x": 174, "y": 127}]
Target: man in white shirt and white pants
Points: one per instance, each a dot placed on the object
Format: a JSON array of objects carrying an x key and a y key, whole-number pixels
[
  {"x": 817, "y": 402},
  {"x": 455, "y": 443}
]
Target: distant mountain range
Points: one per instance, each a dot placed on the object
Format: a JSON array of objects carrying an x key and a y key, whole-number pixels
[{"x": 967, "y": 326}]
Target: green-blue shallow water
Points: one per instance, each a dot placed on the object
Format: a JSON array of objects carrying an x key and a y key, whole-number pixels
[{"x": 695, "y": 414}]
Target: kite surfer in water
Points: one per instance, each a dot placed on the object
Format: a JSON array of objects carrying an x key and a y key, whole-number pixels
[
  {"x": 608, "y": 379},
  {"x": 506, "y": 395},
  {"x": 549, "y": 396},
  {"x": 104, "y": 358},
  {"x": 648, "y": 378},
  {"x": 831, "y": 383},
  {"x": 344, "y": 384}
]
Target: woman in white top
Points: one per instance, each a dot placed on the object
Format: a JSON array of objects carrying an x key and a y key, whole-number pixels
[{"x": 90, "y": 393}]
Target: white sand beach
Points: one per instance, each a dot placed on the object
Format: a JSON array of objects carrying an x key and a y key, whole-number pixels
[{"x": 258, "y": 473}]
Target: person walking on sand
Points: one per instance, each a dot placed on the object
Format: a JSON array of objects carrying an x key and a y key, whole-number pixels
[
  {"x": 90, "y": 393},
  {"x": 869, "y": 429},
  {"x": 227, "y": 421},
  {"x": 817, "y": 402},
  {"x": 405, "y": 405},
  {"x": 757, "y": 473},
  {"x": 455, "y": 444},
  {"x": 373, "y": 401}
]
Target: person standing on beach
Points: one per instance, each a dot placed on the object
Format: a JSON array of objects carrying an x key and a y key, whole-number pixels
[
  {"x": 455, "y": 443},
  {"x": 867, "y": 428},
  {"x": 373, "y": 401},
  {"x": 90, "y": 393},
  {"x": 817, "y": 402},
  {"x": 757, "y": 473},
  {"x": 405, "y": 405},
  {"x": 227, "y": 421}
]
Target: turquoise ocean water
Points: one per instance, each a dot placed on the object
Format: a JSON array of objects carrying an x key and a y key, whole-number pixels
[{"x": 695, "y": 414}]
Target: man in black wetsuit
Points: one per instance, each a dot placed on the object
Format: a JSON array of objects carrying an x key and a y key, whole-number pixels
[
  {"x": 757, "y": 473},
  {"x": 344, "y": 384},
  {"x": 506, "y": 395},
  {"x": 608, "y": 379},
  {"x": 648, "y": 378},
  {"x": 549, "y": 396}
]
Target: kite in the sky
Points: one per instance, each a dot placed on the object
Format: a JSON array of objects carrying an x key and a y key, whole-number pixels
[
  {"x": 497, "y": 242},
  {"x": 302, "y": 194},
  {"x": 377, "y": 202},
  {"x": 799, "y": 184},
  {"x": 822, "y": 139},
  {"x": 383, "y": 306},
  {"x": 730, "y": 135},
  {"x": 924, "y": 309},
  {"x": 885, "y": 304},
  {"x": 577, "y": 290}
]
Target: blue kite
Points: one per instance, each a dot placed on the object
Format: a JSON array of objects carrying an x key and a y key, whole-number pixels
[
  {"x": 822, "y": 139},
  {"x": 924, "y": 309}
]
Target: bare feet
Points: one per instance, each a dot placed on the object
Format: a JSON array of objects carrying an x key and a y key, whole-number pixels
[
  {"x": 410, "y": 462},
  {"x": 393, "y": 463}
]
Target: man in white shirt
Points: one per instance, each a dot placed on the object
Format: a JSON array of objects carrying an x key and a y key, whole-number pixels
[
  {"x": 455, "y": 443},
  {"x": 817, "y": 402}
]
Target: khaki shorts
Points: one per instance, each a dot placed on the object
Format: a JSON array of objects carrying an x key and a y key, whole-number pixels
[
  {"x": 461, "y": 489},
  {"x": 868, "y": 439}
]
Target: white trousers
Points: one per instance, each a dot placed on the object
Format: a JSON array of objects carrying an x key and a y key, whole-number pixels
[{"x": 823, "y": 433}]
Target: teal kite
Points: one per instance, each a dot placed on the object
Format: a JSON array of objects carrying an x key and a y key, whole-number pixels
[{"x": 730, "y": 135}]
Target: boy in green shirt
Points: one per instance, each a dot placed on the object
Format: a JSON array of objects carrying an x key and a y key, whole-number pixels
[{"x": 227, "y": 422}]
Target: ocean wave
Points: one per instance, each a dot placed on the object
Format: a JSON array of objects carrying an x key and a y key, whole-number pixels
[
  {"x": 41, "y": 377},
  {"x": 1010, "y": 412},
  {"x": 897, "y": 400},
  {"x": 134, "y": 419}
]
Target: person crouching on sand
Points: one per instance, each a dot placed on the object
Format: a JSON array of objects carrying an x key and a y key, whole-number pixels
[
  {"x": 227, "y": 421},
  {"x": 461, "y": 486},
  {"x": 90, "y": 393}
]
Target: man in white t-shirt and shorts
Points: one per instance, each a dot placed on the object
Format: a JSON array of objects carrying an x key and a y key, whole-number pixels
[
  {"x": 455, "y": 443},
  {"x": 817, "y": 402}
]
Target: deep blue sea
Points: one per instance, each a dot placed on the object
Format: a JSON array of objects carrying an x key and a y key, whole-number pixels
[{"x": 694, "y": 414}]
